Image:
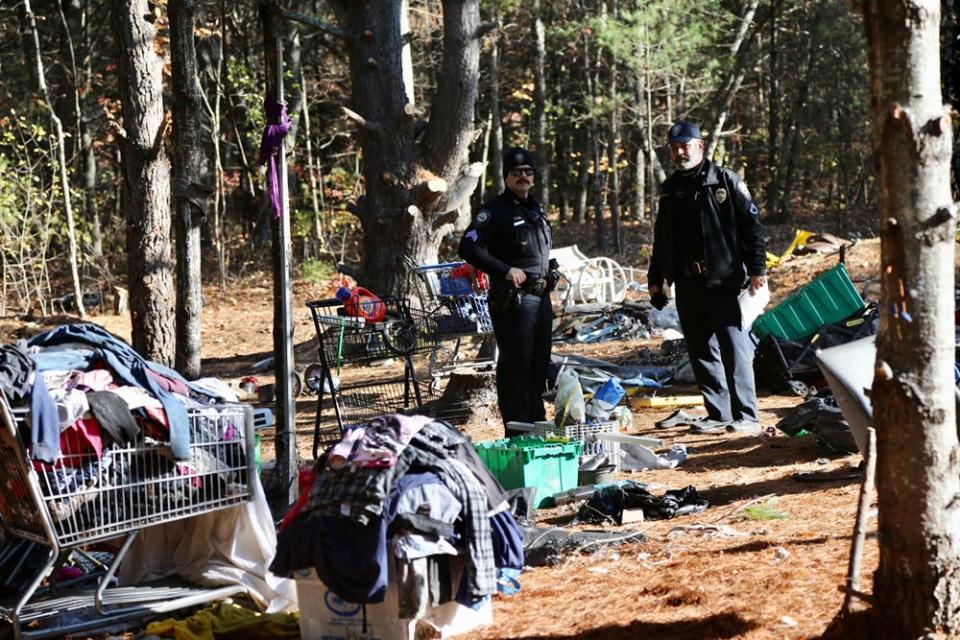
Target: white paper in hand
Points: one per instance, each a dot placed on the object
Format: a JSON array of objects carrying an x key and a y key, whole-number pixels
[{"x": 752, "y": 304}]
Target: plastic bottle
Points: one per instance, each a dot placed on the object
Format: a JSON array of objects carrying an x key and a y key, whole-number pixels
[{"x": 360, "y": 303}]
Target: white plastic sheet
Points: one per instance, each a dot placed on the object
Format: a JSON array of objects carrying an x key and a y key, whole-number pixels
[{"x": 230, "y": 546}]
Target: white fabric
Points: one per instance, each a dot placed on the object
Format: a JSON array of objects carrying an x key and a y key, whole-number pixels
[
  {"x": 217, "y": 387},
  {"x": 230, "y": 546},
  {"x": 635, "y": 457}
]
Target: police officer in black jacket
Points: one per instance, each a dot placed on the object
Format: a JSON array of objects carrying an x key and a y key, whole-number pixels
[
  {"x": 510, "y": 239},
  {"x": 709, "y": 242}
]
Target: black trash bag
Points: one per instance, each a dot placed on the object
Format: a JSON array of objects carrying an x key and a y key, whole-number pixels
[
  {"x": 609, "y": 503},
  {"x": 822, "y": 418}
]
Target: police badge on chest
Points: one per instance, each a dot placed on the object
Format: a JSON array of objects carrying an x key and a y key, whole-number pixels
[{"x": 720, "y": 195}]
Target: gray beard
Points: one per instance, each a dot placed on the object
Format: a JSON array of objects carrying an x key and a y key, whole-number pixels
[{"x": 684, "y": 165}]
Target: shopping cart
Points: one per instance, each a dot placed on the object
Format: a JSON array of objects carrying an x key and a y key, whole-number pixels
[
  {"x": 86, "y": 498},
  {"x": 454, "y": 306},
  {"x": 387, "y": 332}
]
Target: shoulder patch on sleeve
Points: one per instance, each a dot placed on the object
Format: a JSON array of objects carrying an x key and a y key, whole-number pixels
[
  {"x": 483, "y": 216},
  {"x": 471, "y": 235}
]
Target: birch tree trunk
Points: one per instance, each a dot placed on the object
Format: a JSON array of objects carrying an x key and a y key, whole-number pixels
[
  {"x": 61, "y": 161},
  {"x": 146, "y": 183},
  {"x": 917, "y": 583},
  {"x": 189, "y": 197}
]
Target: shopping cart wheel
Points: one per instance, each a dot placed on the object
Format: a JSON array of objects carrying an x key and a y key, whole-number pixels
[
  {"x": 313, "y": 377},
  {"x": 400, "y": 336}
]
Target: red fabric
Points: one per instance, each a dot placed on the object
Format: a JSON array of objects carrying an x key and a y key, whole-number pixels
[
  {"x": 80, "y": 441},
  {"x": 307, "y": 476}
]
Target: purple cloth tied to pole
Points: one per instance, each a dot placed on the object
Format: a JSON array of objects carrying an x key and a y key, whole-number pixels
[{"x": 270, "y": 144}]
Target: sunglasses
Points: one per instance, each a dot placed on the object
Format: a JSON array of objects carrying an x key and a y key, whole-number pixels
[{"x": 516, "y": 173}]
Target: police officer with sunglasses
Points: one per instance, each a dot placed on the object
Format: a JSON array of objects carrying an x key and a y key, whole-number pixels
[{"x": 510, "y": 239}]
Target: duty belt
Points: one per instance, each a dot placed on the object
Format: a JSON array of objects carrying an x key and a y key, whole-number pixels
[{"x": 534, "y": 286}]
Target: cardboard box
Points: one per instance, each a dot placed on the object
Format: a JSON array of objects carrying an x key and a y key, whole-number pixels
[{"x": 326, "y": 616}]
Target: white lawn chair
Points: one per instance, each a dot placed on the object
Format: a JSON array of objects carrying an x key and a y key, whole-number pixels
[{"x": 589, "y": 280}]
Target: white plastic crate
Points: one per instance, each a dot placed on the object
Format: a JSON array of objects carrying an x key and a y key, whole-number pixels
[{"x": 586, "y": 433}]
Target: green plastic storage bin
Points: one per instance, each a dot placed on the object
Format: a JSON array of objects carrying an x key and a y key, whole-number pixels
[
  {"x": 830, "y": 298},
  {"x": 549, "y": 466}
]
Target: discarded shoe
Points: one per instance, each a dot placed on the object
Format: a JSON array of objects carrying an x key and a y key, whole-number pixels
[
  {"x": 744, "y": 426},
  {"x": 709, "y": 425},
  {"x": 678, "y": 418}
]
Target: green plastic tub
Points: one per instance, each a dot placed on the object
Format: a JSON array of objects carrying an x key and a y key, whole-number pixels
[
  {"x": 549, "y": 466},
  {"x": 830, "y": 298}
]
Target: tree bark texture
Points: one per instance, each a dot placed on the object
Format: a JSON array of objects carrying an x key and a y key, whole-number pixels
[
  {"x": 189, "y": 196},
  {"x": 540, "y": 108},
  {"x": 146, "y": 183},
  {"x": 917, "y": 583},
  {"x": 613, "y": 146},
  {"x": 773, "y": 124},
  {"x": 415, "y": 194},
  {"x": 496, "y": 122}
]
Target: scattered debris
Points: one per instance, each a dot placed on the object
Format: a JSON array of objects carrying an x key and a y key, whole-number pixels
[{"x": 706, "y": 530}]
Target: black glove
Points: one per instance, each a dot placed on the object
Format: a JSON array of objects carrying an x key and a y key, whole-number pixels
[{"x": 659, "y": 300}]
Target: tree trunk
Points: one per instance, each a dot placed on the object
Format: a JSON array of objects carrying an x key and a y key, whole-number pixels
[
  {"x": 414, "y": 196},
  {"x": 613, "y": 196},
  {"x": 917, "y": 584},
  {"x": 773, "y": 123},
  {"x": 189, "y": 196},
  {"x": 146, "y": 183},
  {"x": 950, "y": 73},
  {"x": 596, "y": 152},
  {"x": 316, "y": 187},
  {"x": 496, "y": 123},
  {"x": 61, "y": 161},
  {"x": 792, "y": 132},
  {"x": 540, "y": 110},
  {"x": 639, "y": 178},
  {"x": 583, "y": 179}
]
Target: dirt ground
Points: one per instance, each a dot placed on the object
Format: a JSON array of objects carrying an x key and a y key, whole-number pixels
[{"x": 761, "y": 578}]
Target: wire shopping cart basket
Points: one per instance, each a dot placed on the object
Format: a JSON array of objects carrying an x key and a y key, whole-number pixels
[
  {"x": 90, "y": 497},
  {"x": 454, "y": 297},
  {"x": 384, "y": 329},
  {"x": 454, "y": 307}
]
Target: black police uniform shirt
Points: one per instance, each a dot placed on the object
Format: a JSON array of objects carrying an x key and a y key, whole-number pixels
[
  {"x": 508, "y": 232},
  {"x": 733, "y": 239}
]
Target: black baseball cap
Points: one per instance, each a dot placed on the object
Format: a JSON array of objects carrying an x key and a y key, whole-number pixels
[{"x": 683, "y": 132}]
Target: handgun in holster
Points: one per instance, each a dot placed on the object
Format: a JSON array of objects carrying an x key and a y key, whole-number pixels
[
  {"x": 504, "y": 299},
  {"x": 553, "y": 275}
]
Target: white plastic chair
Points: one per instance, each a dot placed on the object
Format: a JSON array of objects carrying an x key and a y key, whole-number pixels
[{"x": 589, "y": 280}]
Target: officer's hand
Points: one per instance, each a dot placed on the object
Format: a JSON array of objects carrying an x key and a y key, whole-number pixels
[
  {"x": 516, "y": 276},
  {"x": 757, "y": 282}
]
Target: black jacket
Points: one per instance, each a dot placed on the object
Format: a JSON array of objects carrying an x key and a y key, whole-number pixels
[
  {"x": 508, "y": 232},
  {"x": 734, "y": 244}
]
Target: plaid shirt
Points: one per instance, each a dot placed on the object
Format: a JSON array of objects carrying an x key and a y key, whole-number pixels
[{"x": 360, "y": 495}]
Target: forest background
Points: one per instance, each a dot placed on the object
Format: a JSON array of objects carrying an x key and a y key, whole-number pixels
[{"x": 780, "y": 88}]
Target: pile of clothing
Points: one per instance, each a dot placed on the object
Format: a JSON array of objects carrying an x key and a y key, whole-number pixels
[
  {"x": 96, "y": 412},
  {"x": 406, "y": 492}
]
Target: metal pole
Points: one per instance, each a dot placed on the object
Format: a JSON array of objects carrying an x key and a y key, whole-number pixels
[{"x": 286, "y": 440}]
